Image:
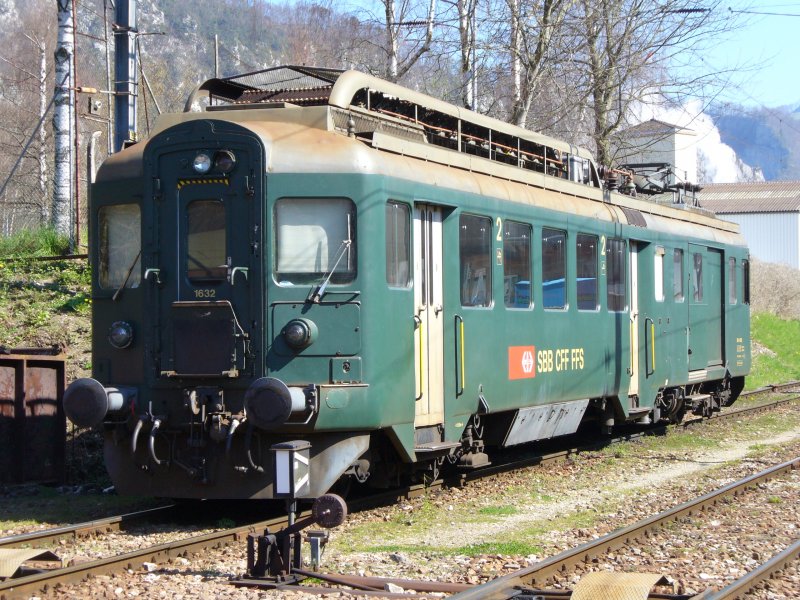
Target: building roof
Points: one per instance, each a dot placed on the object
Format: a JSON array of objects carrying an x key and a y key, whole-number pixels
[
  {"x": 759, "y": 197},
  {"x": 653, "y": 127}
]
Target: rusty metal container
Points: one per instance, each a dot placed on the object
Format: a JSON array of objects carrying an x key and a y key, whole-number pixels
[{"x": 32, "y": 421}]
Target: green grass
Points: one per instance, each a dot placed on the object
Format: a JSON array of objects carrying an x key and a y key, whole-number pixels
[
  {"x": 33, "y": 242},
  {"x": 498, "y": 511},
  {"x": 37, "y": 298},
  {"x": 781, "y": 336}
]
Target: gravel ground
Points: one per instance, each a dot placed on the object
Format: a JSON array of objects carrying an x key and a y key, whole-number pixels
[{"x": 728, "y": 541}]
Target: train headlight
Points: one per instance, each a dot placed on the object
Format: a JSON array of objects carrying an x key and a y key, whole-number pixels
[
  {"x": 202, "y": 163},
  {"x": 120, "y": 335},
  {"x": 224, "y": 161},
  {"x": 300, "y": 333}
]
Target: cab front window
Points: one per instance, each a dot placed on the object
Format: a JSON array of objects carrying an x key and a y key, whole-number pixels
[
  {"x": 119, "y": 246},
  {"x": 206, "y": 260}
]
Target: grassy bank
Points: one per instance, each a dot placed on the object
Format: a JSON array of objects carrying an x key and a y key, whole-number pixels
[
  {"x": 776, "y": 354},
  {"x": 45, "y": 303}
]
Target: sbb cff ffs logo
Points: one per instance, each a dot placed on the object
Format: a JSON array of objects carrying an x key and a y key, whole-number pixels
[{"x": 521, "y": 362}]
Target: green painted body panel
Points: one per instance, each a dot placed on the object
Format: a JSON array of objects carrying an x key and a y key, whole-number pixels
[
  {"x": 579, "y": 354},
  {"x": 363, "y": 359}
]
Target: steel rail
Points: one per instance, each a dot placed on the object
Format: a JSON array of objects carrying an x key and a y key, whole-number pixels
[
  {"x": 505, "y": 587},
  {"x": 24, "y": 587},
  {"x": 105, "y": 525},
  {"x": 745, "y": 584}
]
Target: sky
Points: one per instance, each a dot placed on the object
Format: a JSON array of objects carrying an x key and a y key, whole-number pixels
[{"x": 769, "y": 44}]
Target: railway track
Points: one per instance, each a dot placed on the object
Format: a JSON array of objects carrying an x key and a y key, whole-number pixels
[
  {"x": 36, "y": 583},
  {"x": 87, "y": 528},
  {"x": 531, "y": 580}
]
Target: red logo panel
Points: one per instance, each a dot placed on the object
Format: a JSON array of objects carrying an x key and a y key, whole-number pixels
[{"x": 521, "y": 362}]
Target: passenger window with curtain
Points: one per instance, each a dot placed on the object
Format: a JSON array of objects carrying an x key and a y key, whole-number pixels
[
  {"x": 475, "y": 251},
  {"x": 697, "y": 277},
  {"x": 206, "y": 249},
  {"x": 314, "y": 238},
  {"x": 658, "y": 274},
  {"x": 517, "y": 264},
  {"x": 554, "y": 268},
  {"x": 398, "y": 244},
  {"x": 731, "y": 280},
  {"x": 586, "y": 251},
  {"x": 678, "y": 278},
  {"x": 119, "y": 246},
  {"x": 616, "y": 279}
]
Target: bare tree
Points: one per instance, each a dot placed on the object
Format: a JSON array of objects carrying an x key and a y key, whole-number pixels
[
  {"x": 400, "y": 19},
  {"x": 533, "y": 27},
  {"x": 43, "y": 105},
  {"x": 62, "y": 119},
  {"x": 638, "y": 51}
]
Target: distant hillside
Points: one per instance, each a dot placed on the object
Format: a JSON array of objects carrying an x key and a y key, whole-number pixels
[{"x": 767, "y": 138}]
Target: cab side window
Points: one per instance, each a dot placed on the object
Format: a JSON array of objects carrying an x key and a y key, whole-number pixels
[{"x": 398, "y": 244}]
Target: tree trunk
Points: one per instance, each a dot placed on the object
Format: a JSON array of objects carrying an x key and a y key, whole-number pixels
[
  {"x": 44, "y": 206},
  {"x": 466, "y": 10},
  {"x": 391, "y": 42},
  {"x": 62, "y": 120}
]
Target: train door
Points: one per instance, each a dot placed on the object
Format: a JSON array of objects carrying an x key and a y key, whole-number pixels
[
  {"x": 651, "y": 365},
  {"x": 428, "y": 316},
  {"x": 705, "y": 307},
  {"x": 208, "y": 227},
  {"x": 633, "y": 369}
]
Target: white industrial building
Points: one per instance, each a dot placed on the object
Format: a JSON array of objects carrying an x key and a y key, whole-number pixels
[
  {"x": 767, "y": 212},
  {"x": 649, "y": 146}
]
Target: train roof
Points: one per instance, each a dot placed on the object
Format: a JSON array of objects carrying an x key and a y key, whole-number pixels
[{"x": 295, "y": 108}]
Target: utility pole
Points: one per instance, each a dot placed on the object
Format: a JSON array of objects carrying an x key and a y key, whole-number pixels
[{"x": 126, "y": 86}]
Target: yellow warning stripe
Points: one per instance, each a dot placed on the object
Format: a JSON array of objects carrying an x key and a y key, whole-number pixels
[{"x": 185, "y": 182}]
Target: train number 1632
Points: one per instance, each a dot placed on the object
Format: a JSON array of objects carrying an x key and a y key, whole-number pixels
[{"x": 205, "y": 293}]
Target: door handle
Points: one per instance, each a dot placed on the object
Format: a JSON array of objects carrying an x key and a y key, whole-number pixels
[
  {"x": 235, "y": 270},
  {"x": 437, "y": 309}
]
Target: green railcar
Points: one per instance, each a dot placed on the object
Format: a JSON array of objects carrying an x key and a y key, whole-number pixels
[{"x": 308, "y": 254}]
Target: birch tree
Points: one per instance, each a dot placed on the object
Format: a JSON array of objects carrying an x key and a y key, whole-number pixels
[
  {"x": 62, "y": 120},
  {"x": 533, "y": 26},
  {"x": 42, "y": 132},
  {"x": 399, "y": 19}
]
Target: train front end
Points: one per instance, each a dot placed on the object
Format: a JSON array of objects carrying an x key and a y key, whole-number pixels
[{"x": 183, "y": 380}]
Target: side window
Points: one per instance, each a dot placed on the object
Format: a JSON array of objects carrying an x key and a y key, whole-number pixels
[
  {"x": 586, "y": 252},
  {"x": 746, "y": 280},
  {"x": 475, "y": 251},
  {"x": 678, "y": 278},
  {"x": 697, "y": 277},
  {"x": 731, "y": 280},
  {"x": 206, "y": 249},
  {"x": 398, "y": 244},
  {"x": 313, "y": 238},
  {"x": 120, "y": 246},
  {"x": 615, "y": 267},
  {"x": 554, "y": 268},
  {"x": 517, "y": 264},
  {"x": 658, "y": 274}
]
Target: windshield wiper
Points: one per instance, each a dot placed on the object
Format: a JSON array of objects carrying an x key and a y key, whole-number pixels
[
  {"x": 127, "y": 277},
  {"x": 316, "y": 294}
]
